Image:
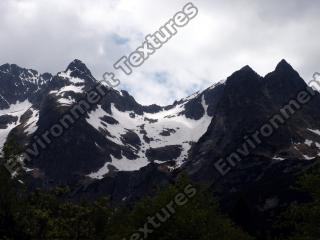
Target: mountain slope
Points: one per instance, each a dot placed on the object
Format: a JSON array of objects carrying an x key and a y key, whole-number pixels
[{"x": 118, "y": 134}]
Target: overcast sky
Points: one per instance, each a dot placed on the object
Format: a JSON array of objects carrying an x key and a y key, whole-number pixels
[{"x": 46, "y": 35}]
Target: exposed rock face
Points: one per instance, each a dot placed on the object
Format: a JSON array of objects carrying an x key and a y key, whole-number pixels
[
  {"x": 164, "y": 153},
  {"x": 124, "y": 149},
  {"x": 242, "y": 111},
  {"x": 5, "y": 120}
]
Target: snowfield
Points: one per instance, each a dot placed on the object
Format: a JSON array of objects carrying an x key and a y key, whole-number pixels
[
  {"x": 183, "y": 131},
  {"x": 15, "y": 110}
]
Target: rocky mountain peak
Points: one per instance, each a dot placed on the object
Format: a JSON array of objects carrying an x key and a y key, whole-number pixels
[
  {"x": 283, "y": 65},
  {"x": 119, "y": 135},
  {"x": 78, "y": 69},
  {"x": 12, "y": 69},
  {"x": 238, "y": 83},
  {"x": 243, "y": 75},
  {"x": 284, "y": 81}
]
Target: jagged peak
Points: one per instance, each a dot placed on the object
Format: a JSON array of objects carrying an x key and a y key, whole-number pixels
[
  {"x": 14, "y": 69},
  {"x": 78, "y": 66},
  {"x": 9, "y": 66},
  {"x": 284, "y": 77},
  {"x": 78, "y": 69},
  {"x": 4, "y": 66},
  {"x": 245, "y": 73},
  {"x": 247, "y": 68},
  {"x": 283, "y": 65},
  {"x": 284, "y": 70}
]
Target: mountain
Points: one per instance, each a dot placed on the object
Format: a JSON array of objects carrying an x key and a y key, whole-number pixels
[
  {"x": 118, "y": 134},
  {"x": 123, "y": 149}
]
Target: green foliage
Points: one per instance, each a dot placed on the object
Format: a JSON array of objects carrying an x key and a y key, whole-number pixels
[
  {"x": 194, "y": 214},
  {"x": 11, "y": 149},
  {"x": 198, "y": 218},
  {"x": 9, "y": 206},
  {"x": 304, "y": 218},
  {"x": 46, "y": 216}
]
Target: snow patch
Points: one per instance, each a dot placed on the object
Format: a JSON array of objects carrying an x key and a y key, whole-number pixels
[
  {"x": 308, "y": 142},
  {"x": 71, "y": 88},
  {"x": 315, "y": 131},
  {"x": 185, "y": 132},
  {"x": 307, "y": 157},
  {"x": 122, "y": 164},
  {"x": 31, "y": 124},
  {"x": 67, "y": 75},
  {"x": 15, "y": 110},
  {"x": 66, "y": 101}
]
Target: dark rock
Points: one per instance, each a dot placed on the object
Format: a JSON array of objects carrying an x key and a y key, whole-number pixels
[
  {"x": 165, "y": 153},
  {"x": 109, "y": 120}
]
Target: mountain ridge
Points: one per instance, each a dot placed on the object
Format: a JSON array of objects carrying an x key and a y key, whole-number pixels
[{"x": 123, "y": 149}]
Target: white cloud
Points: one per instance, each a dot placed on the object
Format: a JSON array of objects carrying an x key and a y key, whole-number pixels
[{"x": 226, "y": 35}]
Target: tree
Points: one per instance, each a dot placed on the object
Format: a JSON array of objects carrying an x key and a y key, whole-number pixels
[
  {"x": 181, "y": 211},
  {"x": 9, "y": 206},
  {"x": 304, "y": 218}
]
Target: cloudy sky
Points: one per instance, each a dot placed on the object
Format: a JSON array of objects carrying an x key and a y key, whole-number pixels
[{"x": 47, "y": 35}]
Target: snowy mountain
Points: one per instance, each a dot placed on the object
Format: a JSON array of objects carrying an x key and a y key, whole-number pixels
[
  {"x": 124, "y": 149},
  {"x": 128, "y": 136}
]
